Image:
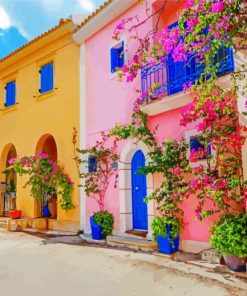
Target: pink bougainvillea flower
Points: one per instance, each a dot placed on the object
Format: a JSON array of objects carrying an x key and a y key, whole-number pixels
[
  {"x": 177, "y": 171},
  {"x": 43, "y": 155},
  {"x": 217, "y": 7},
  {"x": 12, "y": 160},
  {"x": 69, "y": 181}
]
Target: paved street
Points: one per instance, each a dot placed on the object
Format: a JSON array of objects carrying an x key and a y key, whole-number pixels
[{"x": 30, "y": 265}]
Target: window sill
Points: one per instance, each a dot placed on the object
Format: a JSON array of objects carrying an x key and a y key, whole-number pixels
[
  {"x": 6, "y": 110},
  {"x": 46, "y": 95}
]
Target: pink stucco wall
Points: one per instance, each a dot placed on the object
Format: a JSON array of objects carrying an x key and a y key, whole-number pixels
[{"x": 109, "y": 101}]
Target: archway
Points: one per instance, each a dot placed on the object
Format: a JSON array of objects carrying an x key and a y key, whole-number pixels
[
  {"x": 8, "y": 181},
  {"x": 125, "y": 187},
  {"x": 47, "y": 144}
]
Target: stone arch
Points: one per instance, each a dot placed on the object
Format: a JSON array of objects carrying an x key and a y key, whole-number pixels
[
  {"x": 47, "y": 144},
  {"x": 125, "y": 190},
  {"x": 8, "y": 182}
]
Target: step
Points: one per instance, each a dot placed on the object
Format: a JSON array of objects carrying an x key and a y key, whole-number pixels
[
  {"x": 3, "y": 224},
  {"x": 139, "y": 233},
  {"x": 131, "y": 243}
]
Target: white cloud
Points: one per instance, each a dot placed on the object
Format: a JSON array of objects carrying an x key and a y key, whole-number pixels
[
  {"x": 87, "y": 5},
  {"x": 4, "y": 19},
  {"x": 51, "y": 5}
]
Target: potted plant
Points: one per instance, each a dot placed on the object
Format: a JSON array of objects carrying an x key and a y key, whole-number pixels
[
  {"x": 101, "y": 224},
  {"x": 97, "y": 174},
  {"x": 15, "y": 214},
  {"x": 229, "y": 236},
  {"x": 166, "y": 232}
]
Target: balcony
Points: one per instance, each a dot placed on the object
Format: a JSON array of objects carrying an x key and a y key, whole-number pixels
[{"x": 167, "y": 78}]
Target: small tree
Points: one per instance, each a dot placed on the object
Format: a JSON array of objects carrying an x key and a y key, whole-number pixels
[{"x": 95, "y": 167}]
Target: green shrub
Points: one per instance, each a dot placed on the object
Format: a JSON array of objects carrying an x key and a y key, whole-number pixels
[
  {"x": 229, "y": 235},
  {"x": 105, "y": 220},
  {"x": 159, "y": 226}
]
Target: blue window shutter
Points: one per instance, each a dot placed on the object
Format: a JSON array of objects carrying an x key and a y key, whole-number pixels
[
  {"x": 114, "y": 59},
  {"x": 50, "y": 76},
  {"x": 194, "y": 144},
  {"x": 92, "y": 164},
  {"x": 10, "y": 94},
  {"x": 117, "y": 57},
  {"x": 46, "y": 78}
]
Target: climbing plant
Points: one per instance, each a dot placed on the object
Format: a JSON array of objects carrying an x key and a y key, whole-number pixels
[
  {"x": 96, "y": 175},
  {"x": 44, "y": 176}
]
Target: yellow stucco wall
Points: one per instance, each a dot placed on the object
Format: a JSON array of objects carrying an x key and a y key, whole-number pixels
[{"x": 34, "y": 115}]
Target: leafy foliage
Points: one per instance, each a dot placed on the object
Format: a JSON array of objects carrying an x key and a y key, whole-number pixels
[
  {"x": 229, "y": 235},
  {"x": 44, "y": 176},
  {"x": 105, "y": 220},
  {"x": 160, "y": 226},
  {"x": 137, "y": 128}
]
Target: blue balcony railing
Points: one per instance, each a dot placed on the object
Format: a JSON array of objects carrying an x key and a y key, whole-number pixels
[{"x": 168, "y": 77}]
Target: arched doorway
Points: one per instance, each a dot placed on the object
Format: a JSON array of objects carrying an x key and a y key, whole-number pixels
[
  {"x": 129, "y": 160},
  {"x": 8, "y": 181},
  {"x": 47, "y": 144},
  {"x": 139, "y": 192}
]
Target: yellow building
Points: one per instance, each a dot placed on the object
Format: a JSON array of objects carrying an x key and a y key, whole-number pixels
[{"x": 38, "y": 114}]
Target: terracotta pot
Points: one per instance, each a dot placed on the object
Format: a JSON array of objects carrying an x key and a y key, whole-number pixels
[
  {"x": 235, "y": 263},
  {"x": 15, "y": 214}
]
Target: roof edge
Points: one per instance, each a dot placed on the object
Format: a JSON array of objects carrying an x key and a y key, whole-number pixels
[
  {"x": 100, "y": 18},
  {"x": 62, "y": 22}
]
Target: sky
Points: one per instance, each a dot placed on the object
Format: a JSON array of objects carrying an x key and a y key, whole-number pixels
[{"x": 22, "y": 20}]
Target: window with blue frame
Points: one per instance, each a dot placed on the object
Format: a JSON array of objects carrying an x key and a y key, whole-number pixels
[
  {"x": 92, "y": 164},
  {"x": 46, "y": 78},
  {"x": 117, "y": 56},
  {"x": 197, "y": 144},
  {"x": 10, "y": 94}
]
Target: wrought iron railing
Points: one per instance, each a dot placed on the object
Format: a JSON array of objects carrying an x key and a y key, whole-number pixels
[{"x": 168, "y": 77}]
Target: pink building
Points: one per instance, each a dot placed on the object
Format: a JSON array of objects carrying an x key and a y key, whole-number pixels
[{"x": 105, "y": 101}]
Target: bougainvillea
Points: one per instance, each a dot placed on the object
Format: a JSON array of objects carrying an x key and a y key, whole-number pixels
[
  {"x": 45, "y": 177},
  {"x": 203, "y": 28}
]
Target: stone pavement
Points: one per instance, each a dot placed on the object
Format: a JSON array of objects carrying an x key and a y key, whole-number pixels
[{"x": 59, "y": 265}]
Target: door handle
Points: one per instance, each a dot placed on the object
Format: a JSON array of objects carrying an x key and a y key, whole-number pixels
[{"x": 136, "y": 188}]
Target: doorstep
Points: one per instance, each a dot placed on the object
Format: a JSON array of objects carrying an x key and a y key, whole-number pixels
[{"x": 131, "y": 243}]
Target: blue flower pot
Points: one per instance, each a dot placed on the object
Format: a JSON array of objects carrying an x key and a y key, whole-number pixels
[
  {"x": 46, "y": 211},
  {"x": 164, "y": 244},
  {"x": 96, "y": 230}
]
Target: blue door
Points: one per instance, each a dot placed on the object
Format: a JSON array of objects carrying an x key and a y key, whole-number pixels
[{"x": 139, "y": 192}]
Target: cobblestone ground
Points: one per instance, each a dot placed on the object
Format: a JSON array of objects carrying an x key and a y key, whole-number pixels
[{"x": 31, "y": 265}]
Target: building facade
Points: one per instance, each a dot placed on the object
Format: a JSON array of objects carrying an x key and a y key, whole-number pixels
[
  {"x": 108, "y": 101},
  {"x": 39, "y": 86}
]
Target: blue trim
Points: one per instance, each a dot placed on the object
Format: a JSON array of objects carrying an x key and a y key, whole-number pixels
[
  {"x": 139, "y": 192},
  {"x": 171, "y": 76},
  {"x": 10, "y": 94},
  {"x": 92, "y": 164},
  {"x": 46, "y": 78},
  {"x": 117, "y": 57}
]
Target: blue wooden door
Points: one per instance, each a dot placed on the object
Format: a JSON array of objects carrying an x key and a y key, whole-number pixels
[{"x": 139, "y": 192}]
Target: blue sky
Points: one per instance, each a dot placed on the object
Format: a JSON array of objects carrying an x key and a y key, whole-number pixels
[{"x": 22, "y": 20}]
